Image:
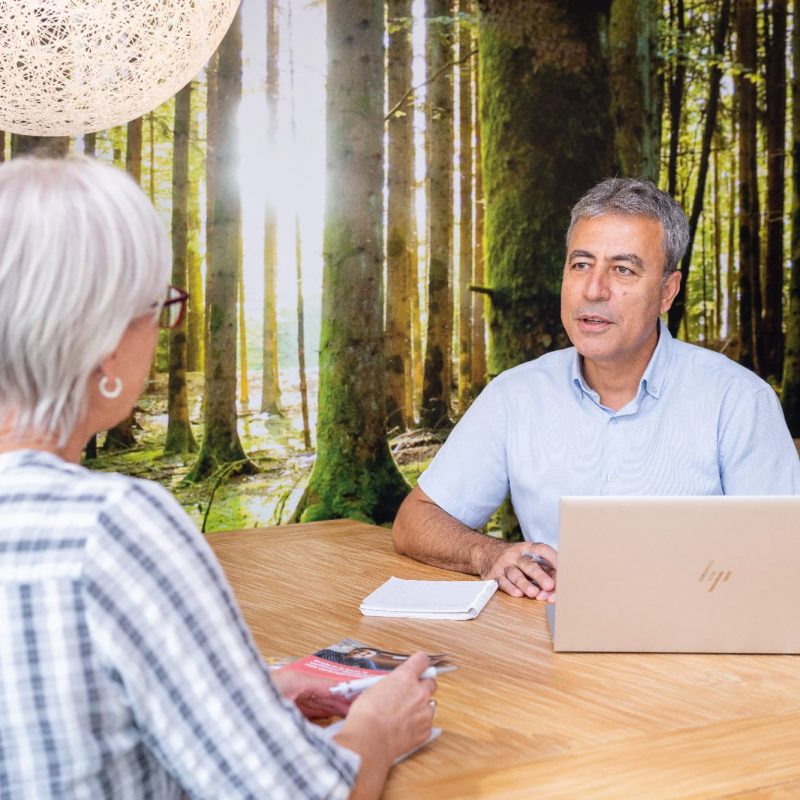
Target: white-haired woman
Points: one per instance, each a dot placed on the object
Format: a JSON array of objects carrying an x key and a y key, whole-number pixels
[{"x": 126, "y": 670}]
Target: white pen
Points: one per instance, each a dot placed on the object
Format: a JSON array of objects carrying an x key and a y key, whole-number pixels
[{"x": 350, "y": 689}]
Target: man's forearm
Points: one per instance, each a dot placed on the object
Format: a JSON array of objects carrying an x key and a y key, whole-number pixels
[{"x": 424, "y": 531}]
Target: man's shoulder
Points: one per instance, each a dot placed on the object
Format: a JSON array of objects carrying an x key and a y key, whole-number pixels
[
  {"x": 555, "y": 364},
  {"x": 710, "y": 367}
]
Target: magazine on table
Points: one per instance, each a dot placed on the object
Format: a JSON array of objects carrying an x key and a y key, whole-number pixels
[{"x": 350, "y": 659}]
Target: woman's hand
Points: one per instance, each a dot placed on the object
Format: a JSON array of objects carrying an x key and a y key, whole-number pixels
[{"x": 387, "y": 720}]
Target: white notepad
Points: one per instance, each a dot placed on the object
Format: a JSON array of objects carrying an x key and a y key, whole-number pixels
[{"x": 429, "y": 599}]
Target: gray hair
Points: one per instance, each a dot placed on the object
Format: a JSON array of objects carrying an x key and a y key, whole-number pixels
[
  {"x": 82, "y": 254},
  {"x": 637, "y": 197}
]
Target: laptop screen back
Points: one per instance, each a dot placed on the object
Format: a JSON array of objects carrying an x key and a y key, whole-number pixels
[{"x": 679, "y": 574}]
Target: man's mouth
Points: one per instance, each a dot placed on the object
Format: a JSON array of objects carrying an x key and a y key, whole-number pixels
[{"x": 594, "y": 321}]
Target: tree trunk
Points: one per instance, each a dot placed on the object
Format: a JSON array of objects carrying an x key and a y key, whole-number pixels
[
  {"x": 195, "y": 313},
  {"x": 790, "y": 394},
  {"x": 534, "y": 56},
  {"x": 435, "y": 412},
  {"x": 776, "y": 185},
  {"x": 749, "y": 247},
  {"x": 244, "y": 386},
  {"x": 212, "y": 136},
  {"x": 636, "y": 88},
  {"x": 179, "y": 431},
  {"x": 89, "y": 144},
  {"x": 400, "y": 244},
  {"x": 465, "y": 250},
  {"x": 2, "y": 146},
  {"x": 717, "y": 211},
  {"x": 41, "y": 146},
  {"x": 301, "y": 332},
  {"x": 414, "y": 392},
  {"x": 298, "y": 258},
  {"x": 478, "y": 347},
  {"x": 678, "y": 308},
  {"x": 133, "y": 149},
  {"x": 221, "y": 445},
  {"x": 151, "y": 130},
  {"x": 354, "y": 475},
  {"x": 677, "y": 85},
  {"x": 731, "y": 316},
  {"x": 270, "y": 385},
  {"x": 122, "y": 436}
]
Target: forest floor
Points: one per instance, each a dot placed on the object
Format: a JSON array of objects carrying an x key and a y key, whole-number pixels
[{"x": 274, "y": 443}]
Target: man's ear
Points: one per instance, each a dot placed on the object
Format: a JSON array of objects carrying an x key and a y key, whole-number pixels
[{"x": 670, "y": 290}]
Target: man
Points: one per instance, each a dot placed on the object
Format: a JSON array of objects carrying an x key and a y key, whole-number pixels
[{"x": 627, "y": 411}]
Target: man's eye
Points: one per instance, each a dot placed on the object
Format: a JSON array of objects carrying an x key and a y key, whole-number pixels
[
  {"x": 624, "y": 270},
  {"x": 580, "y": 265}
]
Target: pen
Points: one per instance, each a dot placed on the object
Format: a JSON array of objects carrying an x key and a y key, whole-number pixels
[
  {"x": 350, "y": 689},
  {"x": 540, "y": 560}
]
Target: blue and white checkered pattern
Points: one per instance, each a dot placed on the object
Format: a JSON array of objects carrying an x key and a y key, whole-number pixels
[{"x": 126, "y": 670}]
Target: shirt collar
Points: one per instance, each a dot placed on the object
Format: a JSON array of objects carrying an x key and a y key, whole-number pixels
[{"x": 654, "y": 374}]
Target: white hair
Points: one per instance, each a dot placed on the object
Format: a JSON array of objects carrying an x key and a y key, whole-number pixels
[{"x": 82, "y": 254}]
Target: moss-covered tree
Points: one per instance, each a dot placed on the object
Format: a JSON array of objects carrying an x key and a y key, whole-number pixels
[
  {"x": 354, "y": 475},
  {"x": 270, "y": 385},
  {"x": 466, "y": 180},
  {"x": 195, "y": 313},
  {"x": 435, "y": 411},
  {"x": 221, "y": 444},
  {"x": 400, "y": 244},
  {"x": 478, "y": 344},
  {"x": 179, "y": 431},
  {"x": 790, "y": 393},
  {"x": 636, "y": 86},
  {"x": 546, "y": 138}
]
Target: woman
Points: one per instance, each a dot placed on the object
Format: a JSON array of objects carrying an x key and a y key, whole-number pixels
[{"x": 126, "y": 670}]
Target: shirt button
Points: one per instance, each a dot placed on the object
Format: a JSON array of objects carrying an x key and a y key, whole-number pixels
[
  {"x": 614, "y": 420},
  {"x": 610, "y": 478}
]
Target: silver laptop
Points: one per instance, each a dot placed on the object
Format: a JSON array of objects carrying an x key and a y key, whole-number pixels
[{"x": 678, "y": 574}]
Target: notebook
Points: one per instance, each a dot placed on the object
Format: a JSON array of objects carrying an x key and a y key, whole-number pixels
[
  {"x": 678, "y": 574},
  {"x": 428, "y": 599}
]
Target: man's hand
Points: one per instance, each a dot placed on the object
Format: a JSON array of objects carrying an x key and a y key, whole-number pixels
[
  {"x": 523, "y": 569},
  {"x": 310, "y": 694}
]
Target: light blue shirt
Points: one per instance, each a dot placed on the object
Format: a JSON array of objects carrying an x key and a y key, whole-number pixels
[{"x": 699, "y": 425}]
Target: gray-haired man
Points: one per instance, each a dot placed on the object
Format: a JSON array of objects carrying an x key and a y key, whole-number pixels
[{"x": 627, "y": 411}]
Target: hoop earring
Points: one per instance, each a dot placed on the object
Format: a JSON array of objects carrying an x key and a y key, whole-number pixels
[{"x": 110, "y": 393}]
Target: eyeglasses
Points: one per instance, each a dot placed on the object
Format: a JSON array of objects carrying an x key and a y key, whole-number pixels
[{"x": 173, "y": 308}]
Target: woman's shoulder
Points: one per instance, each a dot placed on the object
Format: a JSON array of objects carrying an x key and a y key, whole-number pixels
[{"x": 54, "y": 483}]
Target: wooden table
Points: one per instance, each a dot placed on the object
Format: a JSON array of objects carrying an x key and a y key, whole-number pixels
[{"x": 519, "y": 720}]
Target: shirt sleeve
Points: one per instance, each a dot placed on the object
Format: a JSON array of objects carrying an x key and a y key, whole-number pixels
[
  {"x": 756, "y": 453},
  {"x": 468, "y": 477},
  {"x": 168, "y": 630}
]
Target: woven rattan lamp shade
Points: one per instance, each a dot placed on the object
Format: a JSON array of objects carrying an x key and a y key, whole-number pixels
[{"x": 76, "y": 66}]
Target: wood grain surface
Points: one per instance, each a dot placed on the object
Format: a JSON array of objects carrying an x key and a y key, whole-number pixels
[{"x": 520, "y": 721}]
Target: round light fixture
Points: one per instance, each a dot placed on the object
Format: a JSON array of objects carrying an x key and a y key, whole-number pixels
[{"x": 75, "y": 66}]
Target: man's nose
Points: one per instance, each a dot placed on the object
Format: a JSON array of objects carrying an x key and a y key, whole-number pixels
[{"x": 598, "y": 285}]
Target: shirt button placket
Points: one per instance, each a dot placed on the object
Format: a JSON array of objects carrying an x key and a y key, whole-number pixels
[{"x": 610, "y": 472}]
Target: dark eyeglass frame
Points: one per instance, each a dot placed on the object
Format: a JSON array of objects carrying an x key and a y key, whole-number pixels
[{"x": 174, "y": 295}]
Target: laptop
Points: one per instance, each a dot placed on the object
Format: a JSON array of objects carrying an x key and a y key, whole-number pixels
[{"x": 678, "y": 575}]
